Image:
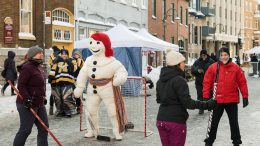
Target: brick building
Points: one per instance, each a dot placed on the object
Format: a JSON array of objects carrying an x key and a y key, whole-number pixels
[
  {"x": 175, "y": 13},
  {"x": 28, "y": 23},
  {"x": 22, "y": 26}
]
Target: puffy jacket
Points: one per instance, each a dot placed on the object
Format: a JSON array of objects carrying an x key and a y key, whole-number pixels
[
  {"x": 231, "y": 80},
  {"x": 172, "y": 93},
  {"x": 31, "y": 83}
]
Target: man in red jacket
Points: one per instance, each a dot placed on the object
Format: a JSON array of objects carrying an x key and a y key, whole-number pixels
[{"x": 231, "y": 80}]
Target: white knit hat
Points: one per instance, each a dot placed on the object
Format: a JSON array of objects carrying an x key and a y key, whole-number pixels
[{"x": 173, "y": 57}]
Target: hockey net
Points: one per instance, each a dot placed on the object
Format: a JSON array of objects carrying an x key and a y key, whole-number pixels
[{"x": 134, "y": 92}]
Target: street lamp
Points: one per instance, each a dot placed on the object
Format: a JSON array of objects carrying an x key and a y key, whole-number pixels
[
  {"x": 164, "y": 29},
  {"x": 222, "y": 30}
]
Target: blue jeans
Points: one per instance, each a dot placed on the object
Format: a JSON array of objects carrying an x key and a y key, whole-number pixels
[{"x": 27, "y": 119}]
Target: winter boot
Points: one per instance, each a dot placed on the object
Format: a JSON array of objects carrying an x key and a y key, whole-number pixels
[{"x": 51, "y": 110}]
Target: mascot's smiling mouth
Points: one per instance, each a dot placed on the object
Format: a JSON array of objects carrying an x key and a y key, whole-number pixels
[{"x": 95, "y": 51}]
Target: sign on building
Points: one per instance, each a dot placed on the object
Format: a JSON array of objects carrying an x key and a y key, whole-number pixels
[
  {"x": 8, "y": 30},
  {"x": 47, "y": 17}
]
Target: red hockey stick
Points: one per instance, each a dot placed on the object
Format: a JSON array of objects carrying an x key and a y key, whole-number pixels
[{"x": 36, "y": 116}]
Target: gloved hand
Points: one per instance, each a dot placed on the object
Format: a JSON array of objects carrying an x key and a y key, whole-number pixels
[
  {"x": 245, "y": 102},
  {"x": 27, "y": 103},
  {"x": 45, "y": 101},
  {"x": 57, "y": 60},
  {"x": 78, "y": 92},
  {"x": 212, "y": 104}
]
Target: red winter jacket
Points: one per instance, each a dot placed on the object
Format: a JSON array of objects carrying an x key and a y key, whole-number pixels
[{"x": 231, "y": 80}]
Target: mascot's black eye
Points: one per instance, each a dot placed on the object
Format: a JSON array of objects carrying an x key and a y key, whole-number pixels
[
  {"x": 98, "y": 42},
  {"x": 90, "y": 42}
]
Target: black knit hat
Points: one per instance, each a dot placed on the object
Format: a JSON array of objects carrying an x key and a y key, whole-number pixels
[
  {"x": 203, "y": 51},
  {"x": 64, "y": 51},
  {"x": 225, "y": 49},
  {"x": 55, "y": 49}
]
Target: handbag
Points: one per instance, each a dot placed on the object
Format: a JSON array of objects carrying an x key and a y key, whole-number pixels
[{"x": 3, "y": 73}]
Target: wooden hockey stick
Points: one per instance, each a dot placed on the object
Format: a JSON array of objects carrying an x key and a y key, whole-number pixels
[{"x": 36, "y": 116}]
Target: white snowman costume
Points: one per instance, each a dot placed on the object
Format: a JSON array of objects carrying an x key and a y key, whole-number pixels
[{"x": 101, "y": 65}]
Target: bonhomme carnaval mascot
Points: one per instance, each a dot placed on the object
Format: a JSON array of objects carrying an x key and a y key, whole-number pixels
[{"x": 105, "y": 75}]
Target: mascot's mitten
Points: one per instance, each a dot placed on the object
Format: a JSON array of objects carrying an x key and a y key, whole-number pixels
[
  {"x": 78, "y": 92},
  {"x": 118, "y": 79}
]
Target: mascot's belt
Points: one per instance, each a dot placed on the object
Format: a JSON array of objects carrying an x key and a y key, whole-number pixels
[
  {"x": 119, "y": 102},
  {"x": 99, "y": 82}
]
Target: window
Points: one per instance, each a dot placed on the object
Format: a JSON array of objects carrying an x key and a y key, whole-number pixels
[
  {"x": 172, "y": 40},
  {"x": 226, "y": 29},
  {"x": 187, "y": 16},
  {"x": 66, "y": 35},
  {"x": 189, "y": 34},
  {"x": 256, "y": 24},
  {"x": 226, "y": 13},
  {"x": 235, "y": 16},
  {"x": 134, "y": 3},
  {"x": 59, "y": 15},
  {"x": 230, "y": 14},
  {"x": 164, "y": 9},
  {"x": 220, "y": 13},
  {"x": 196, "y": 35},
  {"x": 154, "y": 7},
  {"x": 57, "y": 34},
  {"x": 231, "y": 30},
  {"x": 173, "y": 14},
  {"x": 181, "y": 15},
  {"x": 246, "y": 5},
  {"x": 143, "y": 4},
  {"x": 26, "y": 16},
  {"x": 82, "y": 33}
]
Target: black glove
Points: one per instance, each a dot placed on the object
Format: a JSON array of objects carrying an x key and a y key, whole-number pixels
[
  {"x": 27, "y": 103},
  {"x": 211, "y": 104},
  {"x": 245, "y": 102},
  {"x": 45, "y": 101}
]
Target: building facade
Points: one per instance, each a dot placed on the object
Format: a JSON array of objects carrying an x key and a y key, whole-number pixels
[
  {"x": 257, "y": 25},
  {"x": 197, "y": 15},
  {"x": 25, "y": 24},
  {"x": 101, "y": 15},
  {"x": 168, "y": 20},
  {"x": 225, "y": 27},
  {"x": 250, "y": 23},
  {"x": 23, "y": 27}
]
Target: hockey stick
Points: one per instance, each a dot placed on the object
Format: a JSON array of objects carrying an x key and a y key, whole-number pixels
[
  {"x": 35, "y": 114},
  {"x": 80, "y": 115},
  {"x": 214, "y": 95}
]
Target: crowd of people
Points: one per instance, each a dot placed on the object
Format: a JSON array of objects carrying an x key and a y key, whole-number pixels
[{"x": 172, "y": 92}]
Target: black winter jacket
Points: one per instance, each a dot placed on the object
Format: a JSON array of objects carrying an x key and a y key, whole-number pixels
[
  {"x": 9, "y": 66},
  {"x": 201, "y": 64},
  {"x": 173, "y": 95}
]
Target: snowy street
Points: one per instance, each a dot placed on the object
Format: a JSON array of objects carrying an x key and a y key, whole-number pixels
[{"x": 67, "y": 129}]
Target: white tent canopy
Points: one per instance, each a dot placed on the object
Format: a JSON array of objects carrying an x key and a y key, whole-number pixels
[
  {"x": 255, "y": 50},
  {"x": 121, "y": 36},
  {"x": 146, "y": 34}
]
